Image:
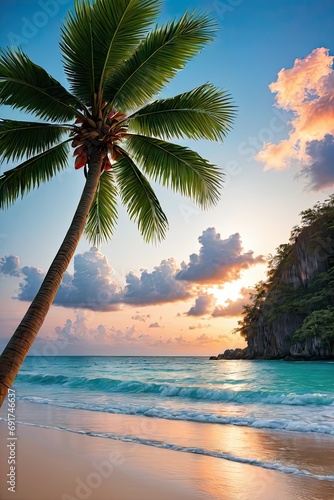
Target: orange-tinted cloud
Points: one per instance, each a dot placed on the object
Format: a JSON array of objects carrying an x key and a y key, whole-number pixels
[
  {"x": 306, "y": 91},
  {"x": 233, "y": 308},
  {"x": 93, "y": 285},
  {"x": 307, "y": 79},
  {"x": 277, "y": 156}
]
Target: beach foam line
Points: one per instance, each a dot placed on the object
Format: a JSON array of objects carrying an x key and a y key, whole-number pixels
[
  {"x": 280, "y": 424},
  {"x": 184, "y": 449}
]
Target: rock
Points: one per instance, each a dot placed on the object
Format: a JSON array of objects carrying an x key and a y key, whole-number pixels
[
  {"x": 271, "y": 334},
  {"x": 233, "y": 354},
  {"x": 275, "y": 321}
]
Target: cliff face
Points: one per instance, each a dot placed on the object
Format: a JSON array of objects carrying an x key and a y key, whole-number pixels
[{"x": 296, "y": 288}]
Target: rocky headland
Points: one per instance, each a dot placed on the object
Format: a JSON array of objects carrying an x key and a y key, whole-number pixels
[{"x": 291, "y": 315}]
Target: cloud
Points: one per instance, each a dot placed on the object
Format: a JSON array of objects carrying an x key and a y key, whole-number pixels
[
  {"x": 93, "y": 286},
  {"x": 206, "y": 339},
  {"x": 33, "y": 278},
  {"x": 78, "y": 334},
  {"x": 198, "y": 326},
  {"x": 90, "y": 287},
  {"x": 78, "y": 330},
  {"x": 10, "y": 265},
  {"x": 203, "y": 305},
  {"x": 157, "y": 287},
  {"x": 140, "y": 317},
  {"x": 69, "y": 332},
  {"x": 278, "y": 156},
  {"x": 320, "y": 171},
  {"x": 180, "y": 339},
  {"x": 218, "y": 261},
  {"x": 233, "y": 308},
  {"x": 306, "y": 91},
  {"x": 308, "y": 79}
]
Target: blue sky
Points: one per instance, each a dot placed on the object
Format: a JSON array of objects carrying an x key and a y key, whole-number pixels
[{"x": 277, "y": 161}]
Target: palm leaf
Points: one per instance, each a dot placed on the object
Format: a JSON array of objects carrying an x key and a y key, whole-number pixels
[
  {"x": 158, "y": 58},
  {"x": 26, "y": 86},
  {"x": 177, "y": 167},
  {"x": 102, "y": 217},
  {"x": 30, "y": 174},
  {"x": 140, "y": 200},
  {"x": 19, "y": 139},
  {"x": 97, "y": 38},
  {"x": 203, "y": 113}
]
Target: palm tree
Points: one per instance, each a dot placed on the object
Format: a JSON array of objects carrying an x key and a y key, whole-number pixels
[{"x": 115, "y": 62}]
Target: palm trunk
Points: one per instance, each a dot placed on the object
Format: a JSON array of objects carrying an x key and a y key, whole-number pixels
[{"x": 18, "y": 346}]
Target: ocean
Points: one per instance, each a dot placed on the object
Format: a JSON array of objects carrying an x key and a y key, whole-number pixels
[{"x": 81, "y": 394}]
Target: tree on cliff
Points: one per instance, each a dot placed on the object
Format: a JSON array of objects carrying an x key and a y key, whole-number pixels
[
  {"x": 317, "y": 324},
  {"x": 251, "y": 311},
  {"x": 308, "y": 304},
  {"x": 115, "y": 62}
]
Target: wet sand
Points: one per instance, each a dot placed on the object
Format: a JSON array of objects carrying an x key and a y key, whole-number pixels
[{"x": 53, "y": 464}]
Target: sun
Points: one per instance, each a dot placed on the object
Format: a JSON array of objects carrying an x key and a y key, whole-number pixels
[{"x": 230, "y": 291}]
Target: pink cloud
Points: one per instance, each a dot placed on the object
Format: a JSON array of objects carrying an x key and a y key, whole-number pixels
[
  {"x": 307, "y": 91},
  {"x": 233, "y": 308},
  {"x": 277, "y": 156},
  {"x": 316, "y": 118},
  {"x": 307, "y": 79}
]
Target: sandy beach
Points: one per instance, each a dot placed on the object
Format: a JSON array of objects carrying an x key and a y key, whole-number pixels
[
  {"x": 62, "y": 465},
  {"x": 100, "y": 429}
]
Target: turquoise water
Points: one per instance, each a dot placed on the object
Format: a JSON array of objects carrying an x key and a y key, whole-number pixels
[
  {"x": 261, "y": 413},
  {"x": 290, "y": 396}
]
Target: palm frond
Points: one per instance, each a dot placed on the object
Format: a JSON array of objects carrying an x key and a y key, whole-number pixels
[
  {"x": 77, "y": 48},
  {"x": 157, "y": 59},
  {"x": 140, "y": 200},
  {"x": 203, "y": 113},
  {"x": 26, "y": 86},
  {"x": 30, "y": 174},
  {"x": 102, "y": 217},
  {"x": 177, "y": 167},
  {"x": 97, "y": 38},
  {"x": 19, "y": 138}
]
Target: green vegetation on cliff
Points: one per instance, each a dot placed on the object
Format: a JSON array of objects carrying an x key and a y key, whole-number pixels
[
  {"x": 299, "y": 288},
  {"x": 319, "y": 323}
]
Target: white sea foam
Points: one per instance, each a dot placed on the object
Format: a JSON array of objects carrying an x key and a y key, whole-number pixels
[{"x": 194, "y": 416}]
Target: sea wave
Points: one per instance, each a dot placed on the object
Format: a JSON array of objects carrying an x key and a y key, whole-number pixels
[
  {"x": 193, "y": 450},
  {"x": 109, "y": 385},
  {"x": 286, "y": 424}
]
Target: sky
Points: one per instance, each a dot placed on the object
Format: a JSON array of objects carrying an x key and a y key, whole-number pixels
[{"x": 185, "y": 295}]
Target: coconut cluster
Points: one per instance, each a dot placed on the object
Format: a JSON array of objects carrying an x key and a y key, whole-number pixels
[{"x": 104, "y": 134}]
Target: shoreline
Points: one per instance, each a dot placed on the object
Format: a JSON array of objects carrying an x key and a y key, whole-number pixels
[
  {"x": 61, "y": 465},
  {"x": 58, "y": 465}
]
